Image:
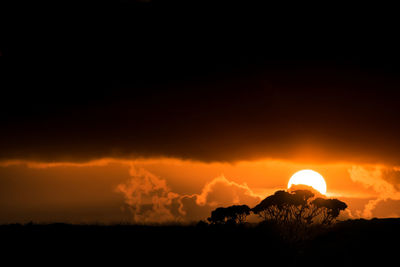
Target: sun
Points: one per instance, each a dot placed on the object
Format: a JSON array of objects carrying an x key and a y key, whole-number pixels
[{"x": 310, "y": 178}]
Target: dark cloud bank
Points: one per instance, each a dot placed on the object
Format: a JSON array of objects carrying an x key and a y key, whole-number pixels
[{"x": 206, "y": 91}]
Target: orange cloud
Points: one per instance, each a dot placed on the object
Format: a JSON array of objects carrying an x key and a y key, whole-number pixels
[
  {"x": 376, "y": 178},
  {"x": 170, "y": 189},
  {"x": 221, "y": 191},
  {"x": 150, "y": 199}
]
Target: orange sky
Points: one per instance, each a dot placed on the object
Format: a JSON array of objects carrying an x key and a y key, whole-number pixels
[{"x": 159, "y": 190}]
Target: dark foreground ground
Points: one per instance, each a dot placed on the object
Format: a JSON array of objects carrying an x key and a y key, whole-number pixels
[{"x": 350, "y": 242}]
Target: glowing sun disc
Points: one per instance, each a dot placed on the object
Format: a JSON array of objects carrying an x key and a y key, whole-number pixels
[{"x": 310, "y": 178}]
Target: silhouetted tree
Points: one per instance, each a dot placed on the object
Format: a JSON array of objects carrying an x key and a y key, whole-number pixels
[
  {"x": 239, "y": 212},
  {"x": 284, "y": 207},
  {"x": 217, "y": 216},
  {"x": 232, "y": 214},
  {"x": 298, "y": 207},
  {"x": 272, "y": 207},
  {"x": 329, "y": 209}
]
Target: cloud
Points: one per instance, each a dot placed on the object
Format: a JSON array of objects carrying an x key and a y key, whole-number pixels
[
  {"x": 150, "y": 200},
  {"x": 383, "y": 180},
  {"x": 221, "y": 191},
  {"x": 392, "y": 176},
  {"x": 148, "y": 197}
]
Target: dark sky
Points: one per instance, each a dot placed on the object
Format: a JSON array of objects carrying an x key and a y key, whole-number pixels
[{"x": 202, "y": 82}]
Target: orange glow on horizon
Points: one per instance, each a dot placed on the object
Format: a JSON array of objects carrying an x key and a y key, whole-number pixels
[{"x": 77, "y": 191}]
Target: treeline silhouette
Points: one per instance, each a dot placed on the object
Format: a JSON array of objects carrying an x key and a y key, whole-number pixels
[
  {"x": 296, "y": 207},
  {"x": 292, "y": 212}
]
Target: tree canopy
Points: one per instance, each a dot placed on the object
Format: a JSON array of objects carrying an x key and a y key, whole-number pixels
[
  {"x": 232, "y": 214},
  {"x": 299, "y": 206}
]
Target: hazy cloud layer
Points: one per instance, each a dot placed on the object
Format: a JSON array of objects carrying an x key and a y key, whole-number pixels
[
  {"x": 384, "y": 181},
  {"x": 150, "y": 199}
]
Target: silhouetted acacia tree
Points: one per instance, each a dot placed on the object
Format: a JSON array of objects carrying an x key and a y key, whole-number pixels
[
  {"x": 298, "y": 207},
  {"x": 232, "y": 214}
]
